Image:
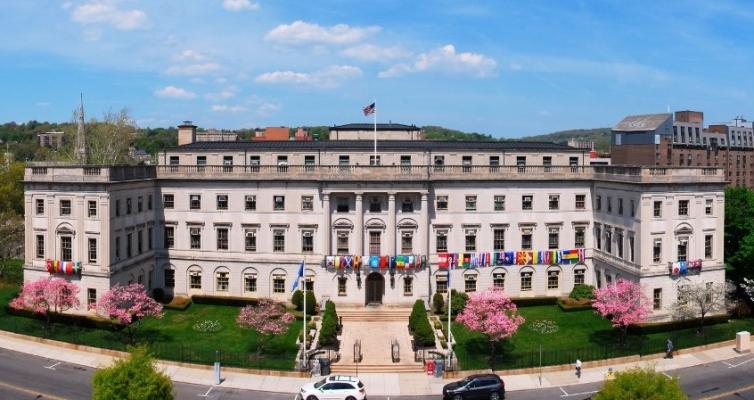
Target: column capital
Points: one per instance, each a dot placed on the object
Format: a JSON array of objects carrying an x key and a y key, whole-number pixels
[
  {"x": 326, "y": 196},
  {"x": 359, "y": 196},
  {"x": 391, "y": 196},
  {"x": 425, "y": 196}
]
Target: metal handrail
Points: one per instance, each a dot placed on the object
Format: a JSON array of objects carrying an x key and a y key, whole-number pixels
[
  {"x": 357, "y": 357},
  {"x": 395, "y": 351}
]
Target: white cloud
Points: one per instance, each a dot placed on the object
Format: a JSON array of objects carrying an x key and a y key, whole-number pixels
[
  {"x": 266, "y": 109},
  {"x": 445, "y": 59},
  {"x": 174, "y": 93},
  {"x": 191, "y": 55},
  {"x": 300, "y": 32},
  {"x": 227, "y": 108},
  {"x": 107, "y": 12},
  {"x": 370, "y": 52},
  {"x": 329, "y": 77},
  {"x": 240, "y": 5},
  {"x": 194, "y": 69},
  {"x": 221, "y": 95},
  {"x": 619, "y": 70}
]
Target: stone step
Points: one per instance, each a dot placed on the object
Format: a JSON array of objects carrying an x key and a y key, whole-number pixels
[
  {"x": 375, "y": 315},
  {"x": 376, "y": 368}
]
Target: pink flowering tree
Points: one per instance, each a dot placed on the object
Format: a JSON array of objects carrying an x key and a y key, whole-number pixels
[
  {"x": 267, "y": 318},
  {"x": 127, "y": 305},
  {"x": 623, "y": 304},
  {"x": 492, "y": 313},
  {"x": 47, "y": 296}
]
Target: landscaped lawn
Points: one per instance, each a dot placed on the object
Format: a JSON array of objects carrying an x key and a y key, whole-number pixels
[
  {"x": 580, "y": 334},
  {"x": 171, "y": 337}
]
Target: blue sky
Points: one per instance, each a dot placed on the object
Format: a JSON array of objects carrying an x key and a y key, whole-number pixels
[{"x": 507, "y": 68}]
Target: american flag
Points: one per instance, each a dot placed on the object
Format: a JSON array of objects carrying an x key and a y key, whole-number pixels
[{"x": 370, "y": 109}]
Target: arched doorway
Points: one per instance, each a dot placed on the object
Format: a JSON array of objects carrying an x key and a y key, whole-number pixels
[{"x": 375, "y": 288}]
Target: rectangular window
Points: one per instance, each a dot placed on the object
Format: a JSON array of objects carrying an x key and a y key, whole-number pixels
[
  {"x": 149, "y": 202},
  {"x": 309, "y": 163},
  {"x": 278, "y": 284},
  {"x": 278, "y": 202},
  {"x": 466, "y": 163},
  {"x": 129, "y": 206},
  {"x": 470, "y": 203},
  {"x": 40, "y": 209},
  {"x": 554, "y": 201},
  {"x": 307, "y": 242},
  {"x": 222, "y": 281},
  {"x": 609, "y": 204},
  {"x": 470, "y": 244},
  {"x": 222, "y": 201},
  {"x": 91, "y": 297},
  {"x": 169, "y": 278},
  {"x": 707, "y": 247},
  {"x": 195, "y": 280},
  {"x": 442, "y": 283},
  {"x": 498, "y": 239},
  {"x": 598, "y": 237},
  {"x": 494, "y": 163},
  {"x": 656, "y": 250},
  {"x": 169, "y": 237},
  {"x": 608, "y": 241},
  {"x": 374, "y": 243},
  {"x": 117, "y": 208},
  {"x": 341, "y": 246},
  {"x": 442, "y": 202},
  {"x": 580, "y": 201},
  {"x": 408, "y": 286},
  {"x": 657, "y": 299},
  {"x": 307, "y": 203},
  {"x": 117, "y": 247},
  {"x": 499, "y": 203},
  {"x": 441, "y": 242},
  {"x": 407, "y": 243},
  {"x": 173, "y": 160},
  {"x": 91, "y": 208},
  {"x": 578, "y": 237},
  {"x": 633, "y": 208},
  {"x": 521, "y": 163},
  {"x": 553, "y": 239},
  {"x": 195, "y": 201},
  {"x": 342, "y": 285},
  {"x": 40, "y": 250},
  {"x": 254, "y": 163},
  {"x": 250, "y": 240},
  {"x": 439, "y": 164},
  {"x": 341, "y": 205},
  {"x": 65, "y": 207},
  {"x": 249, "y": 283},
  {"x": 526, "y": 281},
  {"x": 140, "y": 241},
  {"x": 526, "y": 241},
  {"x": 139, "y": 204},
  {"x": 201, "y": 161},
  {"x": 344, "y": 160},
  {"x": 66, "y": 248},
  {"x": 278, "y": 241},
  {"x": 598, "y": 279},
  {"x": 547, "y": 163},
  {"x": 526, "y": 202},
  {"x": 498, "y": 281},
  {"x": 227, "y": 163},
  {"x": 579, "y": 276},
  {"x": 150, "y": 237},
  {"x": 250, "y": 203},
  {"x": 619, "y": 243},
  {"x": 407, "y": 205},
  {"x": 598, "y": 203},
  {"x": 620, "y": 206},
  {"x": 469, "y": 283},
  {"x": 553, "y": 280},
  {"x": 708, "y": 206},
  {"x": 682, "y": 249},
  {"x": 195, "y": 236},
  {"x": 657, "y": 209},
  {"x": 683, "y": 207},
  {"x": 92, "y": 247},
  {"x": 168, "y": 201},
  {"x": 222, "y": 238},
  {"x": 631, "y": 248},
  {"x": 374, "y": 160},
  {"x": 129, "y": 245},
  {"x": 375, "y": 204}
]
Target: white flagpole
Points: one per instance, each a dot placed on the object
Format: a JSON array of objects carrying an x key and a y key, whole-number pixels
[
  {"x": 450, "y": 293},
  {"x": 375, "y": 132},
  {"x": 303, "y": 353}
]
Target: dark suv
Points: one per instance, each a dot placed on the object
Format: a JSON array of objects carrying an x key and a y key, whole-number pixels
[{"x": 487, "y": 387}]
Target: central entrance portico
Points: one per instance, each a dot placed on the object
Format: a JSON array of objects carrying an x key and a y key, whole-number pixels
[{"x": 375, "y": 288}]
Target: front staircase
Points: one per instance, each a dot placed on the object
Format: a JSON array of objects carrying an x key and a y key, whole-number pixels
[{"x": 376, "y": 328}]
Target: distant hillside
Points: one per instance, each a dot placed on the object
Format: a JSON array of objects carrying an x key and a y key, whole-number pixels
[
  {"x": 600, "y": 136},
  {"x": 440, "y": 133}
]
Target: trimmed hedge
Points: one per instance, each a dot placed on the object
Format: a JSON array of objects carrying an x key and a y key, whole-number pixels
[
  {"x": 438, "y": 303},
  {"x": 457, "y": 301},
  {"x": 328, "y": 332},
  {"x": 656, "y": 327},
  {"x": 418, "y": 325},
  {"x": 224, "y": 300},
  {"x": 535, "y": 301},
  {"x": 84, "y": 321},
  {"x": 569, "y": 304},
  {"x": 311, "y": 301},
  {"x": 582, "y": 292}
]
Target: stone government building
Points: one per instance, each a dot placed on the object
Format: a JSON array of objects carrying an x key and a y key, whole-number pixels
[{"x": 236, "y": 218}]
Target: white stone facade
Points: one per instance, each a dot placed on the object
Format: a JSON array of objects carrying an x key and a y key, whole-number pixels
[{"x": 229, "y": 234}]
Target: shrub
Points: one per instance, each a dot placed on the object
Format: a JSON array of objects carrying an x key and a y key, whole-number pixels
[
  {"x": 133, "y": 378},
  {"x": 438, "y": 325},
  {"x": 224, "y": 300},
  {"x": 656, "y": 327},
  {"x": 638, "y": 383},
  {"x": 298, "y": 300},
  {"x": 311, "y": 301},
  {"x": 419, "y": 326},
  {"x": 328, "y": 332},
  {"x": 582, "y": 292},
  {"x": 457, "y": 301},
  {"x": 438, "y": 303}
]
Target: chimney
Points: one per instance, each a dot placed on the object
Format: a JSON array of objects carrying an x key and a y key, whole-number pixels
[{"x": 186, "y": 133}]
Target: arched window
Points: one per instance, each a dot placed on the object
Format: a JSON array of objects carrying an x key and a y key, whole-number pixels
[
  {"x": 526, "y": 277},
  {"x": 553, "y": 278},
  {"x": 579, "y": 276},
  {"x": 222, "y": 279},
  {"x": 195, "y": 277},
  {"x": 250, "y": 280},
  {"x": 278, "y": 281},
  {"x": 498, "y": 279}
]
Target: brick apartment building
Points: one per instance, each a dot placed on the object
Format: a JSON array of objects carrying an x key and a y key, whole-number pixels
[{"x": 681, "y": 139}]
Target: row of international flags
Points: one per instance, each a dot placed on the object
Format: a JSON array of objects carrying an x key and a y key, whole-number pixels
[
  {"x": 521, "y": 257},
  {"x": 63, "y": 267},
  {"x": 376, "y": 262},
  {"x": 685, "y": 267}
]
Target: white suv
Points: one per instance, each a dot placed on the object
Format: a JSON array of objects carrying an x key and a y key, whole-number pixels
[{"x": 338, "y": 387}]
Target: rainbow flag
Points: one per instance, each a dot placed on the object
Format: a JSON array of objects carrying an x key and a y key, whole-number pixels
[{"x": 571, "y": 256}]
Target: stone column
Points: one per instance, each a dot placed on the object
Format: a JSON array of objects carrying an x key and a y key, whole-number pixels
[
  {"x": 391, "y": 224},
  {"x": 359, "y": 225},
  {"x": 424, "y": 226},
  {"x": 326, "y": 225}
]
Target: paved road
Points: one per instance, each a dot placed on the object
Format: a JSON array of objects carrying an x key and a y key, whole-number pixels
[{"x": 28, "y": 377}]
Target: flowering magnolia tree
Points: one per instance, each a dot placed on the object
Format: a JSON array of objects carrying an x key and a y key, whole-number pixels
[
  {"x": 622, "y": 303},
  {"x": 492, "y": 313},
  {"x": 127, "y": 305},
  {"x": 47, "y": 296},
  {"x": 748, "y": 287},
  {"x": 268, "y": 318}
]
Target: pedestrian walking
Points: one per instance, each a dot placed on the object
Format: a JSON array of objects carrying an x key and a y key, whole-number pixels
[
  {"x": 578, "y": 368},
  {"x": 669, "y": 353}
]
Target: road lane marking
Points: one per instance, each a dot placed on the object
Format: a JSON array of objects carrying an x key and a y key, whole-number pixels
[
  {"x": 667, "y": 375},
  {"x": 35, "y": 393},
  {"x": 564, "y": 392},
  {"x": 579, "y": 394},
  {"x": 206, "y": 394},
  {"x": 728, "y": 393},
  {"x": 739, "y": 364},
  {"x": 52, "y": 367}
]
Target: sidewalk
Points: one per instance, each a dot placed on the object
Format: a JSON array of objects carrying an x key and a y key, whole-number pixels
[{"x": 381, "y": 384}]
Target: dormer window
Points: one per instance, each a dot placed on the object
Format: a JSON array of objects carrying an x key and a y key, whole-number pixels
[{"x": 407, "y": 205}]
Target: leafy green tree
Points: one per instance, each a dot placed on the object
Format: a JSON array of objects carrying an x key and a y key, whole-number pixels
[
  {"x": 457, "y": 301},
  {"x": 132, "y": 378},
  {"x": 739, "y": 232},
  {"x": 582, "y": 292},
  {"x": 639, "y": 383},
  {"x": 12, "y": 188},
  {"x": 438, "y": 303}
]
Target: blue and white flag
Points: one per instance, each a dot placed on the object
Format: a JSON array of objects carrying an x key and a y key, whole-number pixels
[{"x": 298, "y": 277}]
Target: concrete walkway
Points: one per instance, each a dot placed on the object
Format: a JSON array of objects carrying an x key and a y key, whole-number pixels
[{"x": 389, "y": 384}]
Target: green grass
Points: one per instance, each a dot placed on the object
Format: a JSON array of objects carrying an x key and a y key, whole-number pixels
[
  {"x": 172, "y": 337},
  {"x": 581, "y": 334}
]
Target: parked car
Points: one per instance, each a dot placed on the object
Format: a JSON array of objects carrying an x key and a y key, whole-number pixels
[
  {"x": 340, "y": 387},
  {"x": 475, "y": 387}
]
